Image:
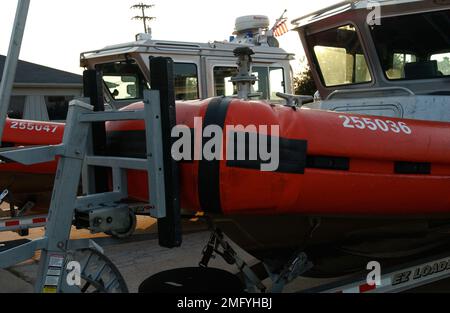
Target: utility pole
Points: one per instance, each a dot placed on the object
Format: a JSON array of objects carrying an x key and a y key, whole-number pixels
[
  {"x": 9, "y": 72},
  {"x": 145, "y": 18}
]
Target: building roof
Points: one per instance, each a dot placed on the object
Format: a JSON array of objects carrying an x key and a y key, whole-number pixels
[{"x": 31, "y": 73}]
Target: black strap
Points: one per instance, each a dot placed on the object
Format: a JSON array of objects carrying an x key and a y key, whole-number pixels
[
  {"x": 412, "y": 168},
  {"x": 292, "y": 154},
  {"x": 209, "y": 171},
  {"x": 328, "y": 163}
]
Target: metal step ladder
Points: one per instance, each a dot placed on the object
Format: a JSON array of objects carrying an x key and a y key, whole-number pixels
[{"x": 105, "y": 211}]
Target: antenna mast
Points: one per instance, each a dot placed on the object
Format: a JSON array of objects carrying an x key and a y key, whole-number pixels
[{"x": 144, "y": 18}]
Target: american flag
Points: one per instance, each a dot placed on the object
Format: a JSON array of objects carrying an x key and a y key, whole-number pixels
[{"x": 280, "y": 28}]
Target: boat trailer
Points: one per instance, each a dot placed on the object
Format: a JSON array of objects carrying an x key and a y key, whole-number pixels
[{"x": 101, "y": 210}]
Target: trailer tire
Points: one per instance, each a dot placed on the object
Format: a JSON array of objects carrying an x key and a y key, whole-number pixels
[{"x": 99, "y": 274}]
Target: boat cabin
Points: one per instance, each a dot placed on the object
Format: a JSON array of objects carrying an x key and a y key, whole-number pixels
[
  {"x": 201, "y": 70},
  {"x": 386, "y": 58}
]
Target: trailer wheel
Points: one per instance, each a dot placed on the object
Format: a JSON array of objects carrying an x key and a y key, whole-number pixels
[
  {"x": 98, "y": 273},
  {"x": 122, "y": 234}
]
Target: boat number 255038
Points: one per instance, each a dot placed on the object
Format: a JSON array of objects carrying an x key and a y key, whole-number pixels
[{"x": 386, "y": 126}]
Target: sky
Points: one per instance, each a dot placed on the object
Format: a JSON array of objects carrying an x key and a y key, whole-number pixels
[{"x": 57, "y": 31}]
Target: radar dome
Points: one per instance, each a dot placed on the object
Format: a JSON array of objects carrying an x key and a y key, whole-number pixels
[{"x": 251, "y": 23}]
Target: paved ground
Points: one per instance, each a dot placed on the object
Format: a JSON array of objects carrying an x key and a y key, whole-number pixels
[
  {"x": 140, "y": 257},
  {"x": 137, "y": 258},
  {"x": 136, "y": 261}
]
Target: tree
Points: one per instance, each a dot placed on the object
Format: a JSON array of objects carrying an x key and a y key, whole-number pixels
[
  {"x": 304, "y": 83},
  {"x": 444, "y": 66}
]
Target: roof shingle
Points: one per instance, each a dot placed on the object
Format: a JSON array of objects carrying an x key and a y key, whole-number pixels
[{"x": 31, "y": 73}]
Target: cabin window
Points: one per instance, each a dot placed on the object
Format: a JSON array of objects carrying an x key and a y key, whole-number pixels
[
  {"x": 124, "y": 80},
  {"x": 261, "y": 86},
  {"x": 222, "y": 84},
  {"x": 399, "y": 61},
  {"x": 186, "y": 81},
  {"x": 16, "y": 107},
  {"x": 270, "y": 81},
  {"x": 414, "y": 46},
  {"x": 277, "y": 83},
  {"x": 340, "y": 57}
]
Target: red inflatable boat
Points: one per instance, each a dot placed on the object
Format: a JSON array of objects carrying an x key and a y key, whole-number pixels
[
  {"x": 342, "y": 179},
  {"x": 29, "y": 183},
  {"x": 329, "y": 163}
]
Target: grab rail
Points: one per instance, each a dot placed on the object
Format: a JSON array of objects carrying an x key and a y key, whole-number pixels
[{"x": 353, "y": 92}]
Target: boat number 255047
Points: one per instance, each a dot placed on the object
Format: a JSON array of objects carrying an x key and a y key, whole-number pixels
[
  {"x": 34, "y": 127},
  {"x": 386, "y": 126}
]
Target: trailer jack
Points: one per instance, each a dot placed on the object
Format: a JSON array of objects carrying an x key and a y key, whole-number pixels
[{"x": 218, "y": 245}]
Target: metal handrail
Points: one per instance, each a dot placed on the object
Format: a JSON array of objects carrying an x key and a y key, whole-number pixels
[
  {"x": 86, "y": 54},
  {"x": 366, "y": 90},
  {"x": 325, "y": 10}
]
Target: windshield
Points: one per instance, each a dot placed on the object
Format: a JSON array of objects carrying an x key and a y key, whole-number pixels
[
  {"x": 414, "y": 46},
  {"x": 124, "y": 80},
  {"x": 340, "y": 57}
]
